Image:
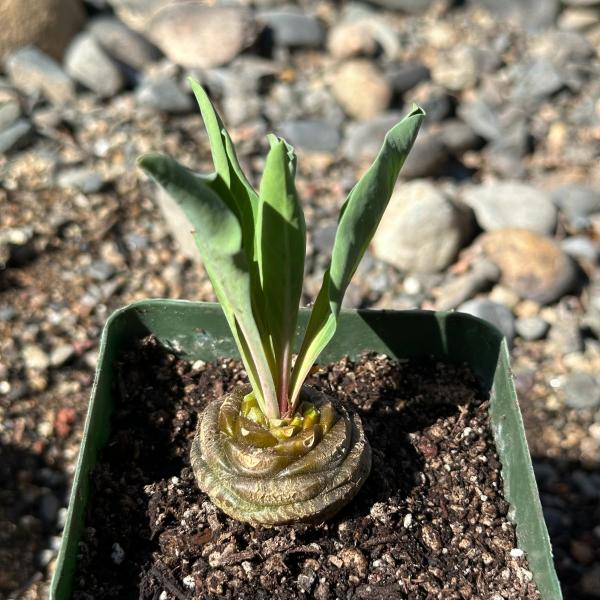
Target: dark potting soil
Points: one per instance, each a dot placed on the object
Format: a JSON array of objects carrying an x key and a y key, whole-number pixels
[{"x": 430, "y": 522}]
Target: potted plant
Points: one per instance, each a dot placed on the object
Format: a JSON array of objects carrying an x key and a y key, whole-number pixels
[{"x": 277, "y": 451}]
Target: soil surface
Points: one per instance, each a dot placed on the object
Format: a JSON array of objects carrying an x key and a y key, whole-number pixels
[{"x": 430, "y": 522}]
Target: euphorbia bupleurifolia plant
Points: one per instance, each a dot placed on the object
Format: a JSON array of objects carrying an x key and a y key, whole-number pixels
[{"x": 277, "y": 451}]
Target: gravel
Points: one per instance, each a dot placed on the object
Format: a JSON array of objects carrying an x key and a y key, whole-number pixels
[{"x": 82, "y": 233}]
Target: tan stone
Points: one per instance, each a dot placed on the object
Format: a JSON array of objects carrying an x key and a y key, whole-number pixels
[
  {"x": 48, "y": 24},
  {"x": 193, "y": 35},
  {"x": 531, "y": 265},
  {"x": 361, "y": 89}
]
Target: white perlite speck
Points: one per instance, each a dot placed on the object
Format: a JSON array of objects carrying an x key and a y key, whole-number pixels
[
  {"x": 117, "y": 554},
  {"x": 517, "y": 553}
]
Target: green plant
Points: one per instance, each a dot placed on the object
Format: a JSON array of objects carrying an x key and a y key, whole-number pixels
[{"x": 253, "y": 248}]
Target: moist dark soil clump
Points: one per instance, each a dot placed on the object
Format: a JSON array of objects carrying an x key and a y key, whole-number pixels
[{"x": 430, "y": 522}]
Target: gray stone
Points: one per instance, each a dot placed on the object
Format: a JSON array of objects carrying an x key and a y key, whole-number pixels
[
  {"x": 293, "y": 29},
  {"x": 405, "y": 76},
  {"x": 427, "y": 157},
  {"x": 482, "y": 118},
  {"x": 532, "y": 328},
  {"x": 582, "y": 390},
  {"x": 84, "y": 179},
  {"x": 509, "y": 204},
  {"x": 459, "y": 137},
  {"x": 100, "y": 270},
  {"x": 121, "y": 43},
  {"x": 31, "y": 70},
  {"x": 197, "y": 36},
  {"x": 497, "y": 314},
  {"x": 9, "y": 114},
  {"x": 581, "y": 247},
  {"x": 311, "y": 135},
  {"x": 577, "y": 202},
  {"x": 422, "y": 229},
  {"x": 164, "y": 94},
  {"x": 363, "y": 140},
  {"x": 17, "y": 136},
  {"x": 535, "y": 82},
  {"x": 89, "y": 64}
]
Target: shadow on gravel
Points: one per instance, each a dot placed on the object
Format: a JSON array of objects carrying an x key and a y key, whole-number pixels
[
  {"x": 570, "y": 494},
  {"x": 30, "y": 498}
]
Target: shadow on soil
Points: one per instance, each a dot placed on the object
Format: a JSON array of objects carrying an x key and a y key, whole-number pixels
[
  {"x": 570, "y": 495},
  {"x": 31, "y": 494}
]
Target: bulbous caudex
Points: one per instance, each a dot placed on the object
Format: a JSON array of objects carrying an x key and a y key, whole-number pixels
[{"x": 273, "y": 476}]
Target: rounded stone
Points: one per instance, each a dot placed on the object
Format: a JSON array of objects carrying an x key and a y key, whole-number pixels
[
  {"x": 495, "y": 313},
  {"x": 512, "y": 205},
  {"x": 582, "y": 390},
  {"x": 532, "y": 328},
  {"x": 361, "y": 89},
  {"x": 88, "y": 63},
  {"x": 533, "y": 266},
  {"x": 422, "y": 229},
  {"x": 194, "y": 35},
  {"x": 47, "y": 24}
]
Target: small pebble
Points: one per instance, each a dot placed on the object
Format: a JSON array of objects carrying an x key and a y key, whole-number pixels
[{"x": 117, "y": 554}]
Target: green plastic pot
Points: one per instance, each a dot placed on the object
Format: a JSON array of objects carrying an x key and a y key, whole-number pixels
[{"x": 196, "y": 330}]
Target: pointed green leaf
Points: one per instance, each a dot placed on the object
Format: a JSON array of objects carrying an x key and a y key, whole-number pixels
[
  {"x": 280, "y": 252},
  {"x": 218, "y": 235},
  {"x": 359, "y": 218}
]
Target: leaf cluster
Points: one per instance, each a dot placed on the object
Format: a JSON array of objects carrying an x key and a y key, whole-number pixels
[{"x": 253, "y": 246}]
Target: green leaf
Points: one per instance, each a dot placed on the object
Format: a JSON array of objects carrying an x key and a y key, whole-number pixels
[
  {"x": 280, "y": 252},
  {"x": 243, "y": 194},
  {"x": 218, "y": 235},
  {"x": 359, "y": 218}
]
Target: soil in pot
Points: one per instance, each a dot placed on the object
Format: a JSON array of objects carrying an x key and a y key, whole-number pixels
[{"x": 430, "y": 522}]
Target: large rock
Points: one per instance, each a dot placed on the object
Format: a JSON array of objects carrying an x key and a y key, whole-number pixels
[
  {"x": 512, "y": 205},
  {"x": 361, "y": 89},
  {"x": 89, "y": 64},
  {"x": 32, "y": 70},
  {"x": 48, "y": 24},
  {"x": 533, "y": 266},
  {"x": 422, "y": 229},
  {"x": 197, "y": 36}
]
